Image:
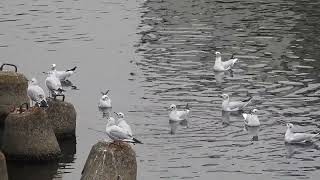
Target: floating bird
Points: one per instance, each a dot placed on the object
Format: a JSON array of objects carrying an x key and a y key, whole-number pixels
[
  {"x": 233, "y": 105},
  {"x": 54, "y": 85},
  {"x": 62, "y": 75},
  {"x": 117, "y": 133},
  {"x": 219, "y": 65},
  {"x": 291, "y": 137},
  {"x": 105, "y": 101},
  {"x": 178, "y": 115},
  {"x": 123, "y": 124},
  {"x": 36, "y": 93},
  {"x": 251, "y": 119}
]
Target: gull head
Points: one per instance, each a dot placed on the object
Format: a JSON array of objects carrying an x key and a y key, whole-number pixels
[
  {"x": 289, "y": 125},
  {"x": 218, "y": 53},
  {"x": 172, "y": 107},
  {"x": 225, "y": 96},
  {"x": 119, "y": 114},
  {"x": 254, "y": 111},
  {"x": 111, "y": 121},
  {"x": 105, "y": 97},
  {"x": 34, "y": 81},
  {"x": 53, "y": 66}
]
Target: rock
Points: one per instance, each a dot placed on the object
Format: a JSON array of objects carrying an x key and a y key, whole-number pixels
[
  {"x": 3, "y": 167},
  {"x": 110, "y": 161},
  {"x": 29, "y": 136},
  {"x": 62, "y": 116},
  {"x": 13, "y": 91}
]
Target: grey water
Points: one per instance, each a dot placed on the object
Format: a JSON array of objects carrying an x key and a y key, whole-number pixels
[{"x": 151, "y": 54}]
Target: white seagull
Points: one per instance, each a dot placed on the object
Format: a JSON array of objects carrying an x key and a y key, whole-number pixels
[
  {"x": 291, "y": 137},
  {"x": 123, "y": 124},
  {"x": 54, "y": 85},
  {"x": 62, "y": 75},
  {"x": 178, "y": 115},
  {"x": 36, "y": 93},
  {"x": 251, "y": 119},
  {"x": 228, "y": 105},
  {"x": 219, "y": 65},
  {"x": 117, "y": 133},
  {"x": 105, "y": 101}
]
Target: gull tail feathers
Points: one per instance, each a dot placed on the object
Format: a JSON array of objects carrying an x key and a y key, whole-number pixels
[
  {"x": 137, "y": 141},
  {"x": 72, "y": 69}
]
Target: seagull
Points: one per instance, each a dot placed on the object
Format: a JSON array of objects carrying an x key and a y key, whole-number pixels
[
  {"x": 178, "y": 115},
  {"x": 234, "y": 105},
  {"x": 123, "y": 124},
  {"x": 62, "y": 75},
  {"x": 54, "y": 85},
  {"x": 291, "y": 137},
  {"x": 117, "y": 133},
  {"x": 251, "y": 119},
  {"x": 36, "y": 93},
  {"x": 105, "y": 101},
  {"x": 219, "y": 65}
]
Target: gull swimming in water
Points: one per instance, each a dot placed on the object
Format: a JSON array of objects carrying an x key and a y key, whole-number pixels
[
  {"x": 117, "y": 133},
  {"x": 123, "y": 124},
  {"x": 62, "y": 75},
  {"x": 228, "y": 105},
  {"x": 291, "y": 137},
  {"x": 251, "y": 119},
  {"x": 105, "y": 101},
  {"x": 178, "y": 115},
  {"x": 54, "y": 85},
  {"x": 220, "y": 65},
  {"x": 36, "y": 93}
]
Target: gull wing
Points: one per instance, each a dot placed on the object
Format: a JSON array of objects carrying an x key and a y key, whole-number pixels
[{"x": 301, "y": 137}]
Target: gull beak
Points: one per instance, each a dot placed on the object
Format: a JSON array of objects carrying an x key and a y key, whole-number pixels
[{"x": 116, "y": 113}]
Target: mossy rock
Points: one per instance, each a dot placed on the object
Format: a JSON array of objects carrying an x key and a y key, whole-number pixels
[
  {"x": 29, "y": 136},
  {"x": 62, "y": 116},
  {"x": 13, "y": 92},
  {"x": 110, "y": 161}
]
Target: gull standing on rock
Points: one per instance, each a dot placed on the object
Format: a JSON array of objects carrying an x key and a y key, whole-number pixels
[
  {"x": 123, "y": 124},
  {"x": 291, "y": 137},
  {"x": 54, "y": 85},
  {"x": 228, "y": 105},
  {"x": 62, "y": 75},
  {"x": 178, "y": 115},
  {"x": 219, "y": 65},
  {"x": 105, "y": 101},
  {"x": 251, "y": 119},
  {"x": 117, "y": 133},
  {"x": 36, "y": 93}
]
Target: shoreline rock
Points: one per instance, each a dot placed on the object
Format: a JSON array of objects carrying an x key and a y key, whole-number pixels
[
  {"x": 62, "y": 116},
  {"x": 3, "y": 167},
  {"x": 28, "y": 136},
  {"x": 110, "y": 161},
  {"x": 13, "y": 92}
]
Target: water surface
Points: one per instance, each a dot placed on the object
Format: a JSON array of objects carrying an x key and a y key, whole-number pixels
[{"x": 154, "y": 53}]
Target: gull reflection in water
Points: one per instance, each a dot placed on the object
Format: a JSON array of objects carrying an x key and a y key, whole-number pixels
[
  {"x": 105, "y": 112},
  {"x": 175, "y": 124},
  {"x": 298, "y": 148},
  {"x": 225, "y": 118},
  {"x": 219, "y": 76},
  {"x": 252, "y": 131}
]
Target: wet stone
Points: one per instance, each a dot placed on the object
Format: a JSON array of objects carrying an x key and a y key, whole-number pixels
[
  {"x": 13, "y": 92},
  {"x": 110, "y": 161},
  {"x": 62, "y": 116},
  {"x": 29, "y": 136}
]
